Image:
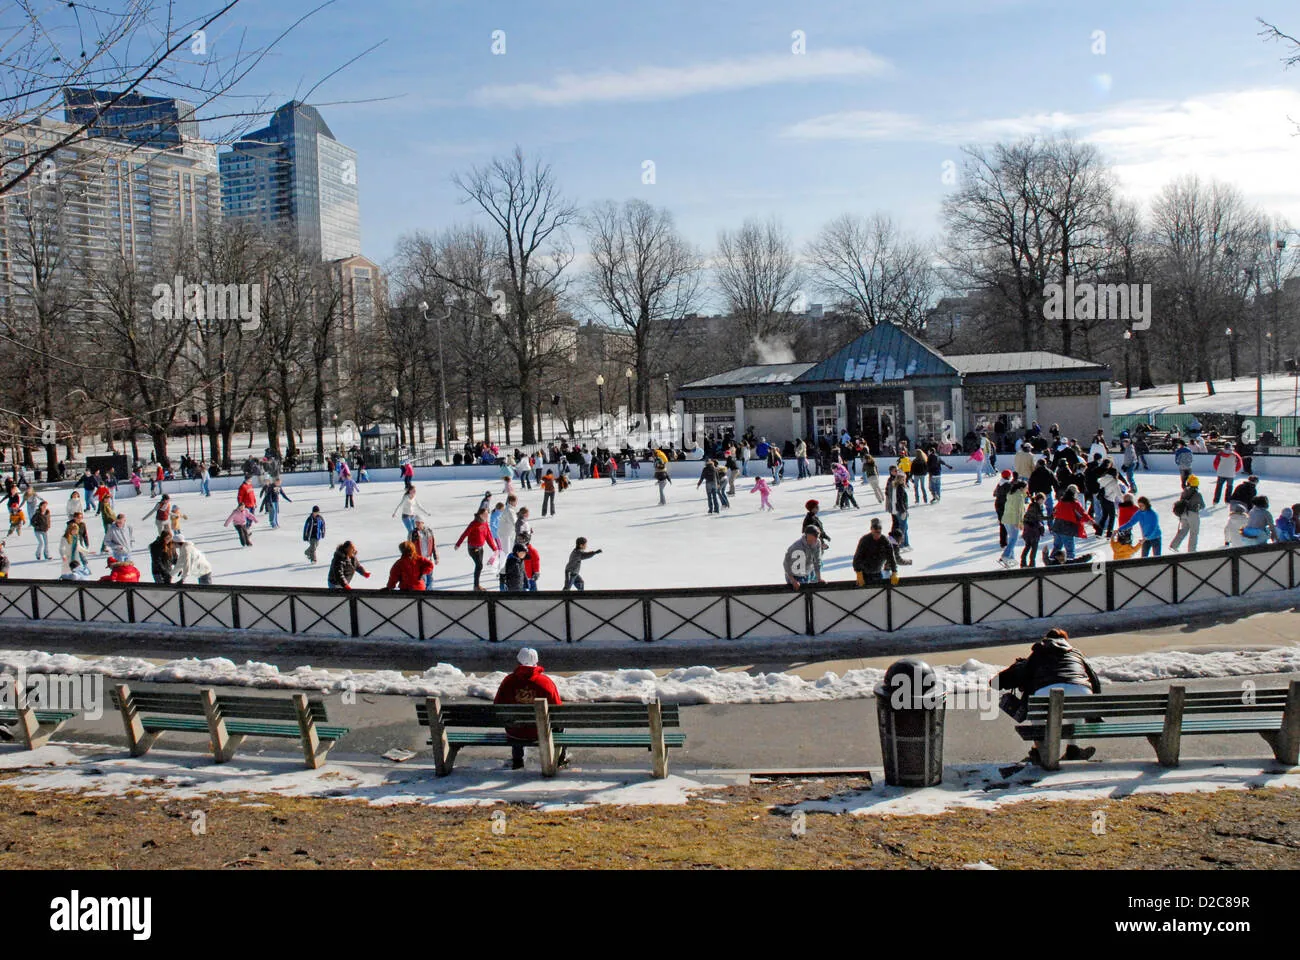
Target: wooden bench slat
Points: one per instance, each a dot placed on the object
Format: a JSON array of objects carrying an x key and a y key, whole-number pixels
[{"x": 42, "y": 716}]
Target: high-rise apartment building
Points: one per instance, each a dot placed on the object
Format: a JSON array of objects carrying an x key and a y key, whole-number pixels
[
  {"x": 159, "y": 122},
  {"x": 294, "y": 173},
  {"x": 97, "y": 200}
]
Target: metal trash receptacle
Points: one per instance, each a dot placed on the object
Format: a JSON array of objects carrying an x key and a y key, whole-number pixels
[{"x": 910, "y": 710}]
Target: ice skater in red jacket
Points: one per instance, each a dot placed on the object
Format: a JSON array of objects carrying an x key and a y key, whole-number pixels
[
  {"x": 408, "y": 572},
  {"x": 528, "y": 683},
  {"x": 478, "y": 533},
  {"x": 246, "y": 496}
]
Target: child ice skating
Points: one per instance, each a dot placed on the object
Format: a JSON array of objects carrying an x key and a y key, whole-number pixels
[
  {"x": 313, "y": 531},
  {"x": 243, "y": 519},
  {"x": 573, "y": 569},
  {"x": 764, "y": 493}
]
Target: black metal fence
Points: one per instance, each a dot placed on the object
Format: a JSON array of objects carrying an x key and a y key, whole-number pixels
[{"x": 714, "y": 613}]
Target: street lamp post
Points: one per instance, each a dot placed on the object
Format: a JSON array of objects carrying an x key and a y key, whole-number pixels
[
  {"x": 600, "y": 388},
  {"x": 628, "y": 374},
  {"x": 336, "y": 432},
  {"x": 668, "y": 409},
  {"x": 1128, "y": 374},
  {"x": 397, "y": 416},
  {"x": 443, "y": 435}
]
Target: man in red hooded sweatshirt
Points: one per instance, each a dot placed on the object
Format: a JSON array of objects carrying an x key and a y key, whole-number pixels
[
  {"x": 246, "y": 496},
  {"x": 524, "y": 686}
]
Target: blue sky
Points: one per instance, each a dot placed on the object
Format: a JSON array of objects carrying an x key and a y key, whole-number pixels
[{"x": 738, "y": 125}]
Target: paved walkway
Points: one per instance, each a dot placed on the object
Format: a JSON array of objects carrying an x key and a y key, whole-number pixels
[{"x": 832, "y": 733}]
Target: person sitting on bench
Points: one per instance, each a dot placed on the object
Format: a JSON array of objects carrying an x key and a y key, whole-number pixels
[
  {"x": 1051, "y": 663},
  {"x": 526, "y": 685}
]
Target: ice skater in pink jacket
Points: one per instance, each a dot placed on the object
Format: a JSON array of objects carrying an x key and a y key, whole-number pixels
[{"x": 764, "y": 492}]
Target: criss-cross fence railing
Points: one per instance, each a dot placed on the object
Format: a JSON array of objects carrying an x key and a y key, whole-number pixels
[{"x": 710, "y": 613}]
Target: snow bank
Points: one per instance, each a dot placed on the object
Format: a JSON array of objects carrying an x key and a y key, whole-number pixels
[
  {"x": 174, "y": 775},
  {"x": 686, "y": 685}
]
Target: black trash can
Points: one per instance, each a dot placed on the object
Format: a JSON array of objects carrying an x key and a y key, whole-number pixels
[{"x": 910, "y": 708}]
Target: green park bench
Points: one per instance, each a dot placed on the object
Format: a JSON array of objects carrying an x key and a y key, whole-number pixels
[
  {"x": 1164, "y": 718},
  {"x": 34, "y": 726},
  {"x": 609, "y": 725},
  {"x": 227, "y": 720}
]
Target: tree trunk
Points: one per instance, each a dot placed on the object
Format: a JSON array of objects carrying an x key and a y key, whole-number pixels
[
  {"x": 526, "y": 403},
  {"x": 318, "y": 411},
  {"x": 487, "y": 415},
  {"x": 158, "y": 435},
  {"x": 1145, "y": 380},
  {"x": 469, "y": 411},
  {"x": 272, "y": 425}
]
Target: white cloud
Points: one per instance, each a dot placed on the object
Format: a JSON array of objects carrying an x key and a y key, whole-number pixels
[
  {"x": 665, "y": 83},
  {"x": 1243, "y": 137}
]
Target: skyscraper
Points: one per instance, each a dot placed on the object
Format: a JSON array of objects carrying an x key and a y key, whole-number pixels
[
  {"x": 159, "y": 122},
  {"x": 94, "y": 202},
  {"x": 294, "y": 173}
]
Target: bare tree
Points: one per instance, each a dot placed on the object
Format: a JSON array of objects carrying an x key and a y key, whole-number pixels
[
  {"x": 759, "y": 279},
  {"x": 38, "y": 324},
  {"x": 1000, "y": 238},
  {"x": 873, "y": 272},
  {"x": 530, "y": 215},
  {"x": 1074, "y": 192},
  {"x": 643, "y": 275},
  {"x": 1205, "y": 235}
]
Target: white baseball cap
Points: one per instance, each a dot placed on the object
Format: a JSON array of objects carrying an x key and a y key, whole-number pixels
[{"x": 528, "y": 657}]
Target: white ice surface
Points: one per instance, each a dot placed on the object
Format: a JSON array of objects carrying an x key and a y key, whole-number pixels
[{"x": 644, "y": 544}]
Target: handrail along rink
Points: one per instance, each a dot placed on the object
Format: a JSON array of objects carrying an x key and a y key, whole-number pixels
[{"x": 691, "y": 613}]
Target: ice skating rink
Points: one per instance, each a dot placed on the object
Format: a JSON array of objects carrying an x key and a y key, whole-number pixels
[{"x": 645, "y": 544}]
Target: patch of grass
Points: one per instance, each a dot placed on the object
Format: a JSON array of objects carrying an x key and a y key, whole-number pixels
[{"x": 49, "y": 830}]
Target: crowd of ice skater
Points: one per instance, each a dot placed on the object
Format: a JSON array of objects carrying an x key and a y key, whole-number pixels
[
  {"x": 1055, "y": 491},
  {"x": 1054, "y": 498}
]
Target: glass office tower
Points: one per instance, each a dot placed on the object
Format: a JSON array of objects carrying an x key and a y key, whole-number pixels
[{"x": 294, "y": 173}]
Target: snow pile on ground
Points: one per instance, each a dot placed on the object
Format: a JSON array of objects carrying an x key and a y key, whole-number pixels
[
  {"x": 685, "y": 685},
  {"x": 986, "y": 786},
  {"x": 175, "y": 775}
]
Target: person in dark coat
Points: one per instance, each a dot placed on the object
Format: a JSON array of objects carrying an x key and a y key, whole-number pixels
[
  {"x": 516, "y": 578},
  {"x": 874, "y": 555},
  {"x": 162, "y": 558},
  {"x": 1043, "y": 481},
  {"x": 344, "y": 566},
  {"x": 812, "y": 520},
  {"x": 1052, "y": 662}
]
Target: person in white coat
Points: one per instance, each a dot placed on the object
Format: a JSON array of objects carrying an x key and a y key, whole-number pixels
[
  {"x": 70, "y": 548},
  {"x": 506, "y": 526},
  {"x": 75, "y": 504},
  {"x": 411, "y": 508},
  {"x": 190, "y": 562}
]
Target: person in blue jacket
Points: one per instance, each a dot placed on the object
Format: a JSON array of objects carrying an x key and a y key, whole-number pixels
[
  {"x": 1150, "y": 523},
  {"x": 313, "y": 531}
]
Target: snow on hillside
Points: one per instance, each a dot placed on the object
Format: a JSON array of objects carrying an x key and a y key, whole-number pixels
[{"x": 1230, "y": 396}]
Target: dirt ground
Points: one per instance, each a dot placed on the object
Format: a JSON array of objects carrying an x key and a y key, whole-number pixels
[{"x": 735, "y": 828}]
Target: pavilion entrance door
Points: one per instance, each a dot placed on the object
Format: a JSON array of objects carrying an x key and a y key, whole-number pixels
[{"x": 878, "y": 424}]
